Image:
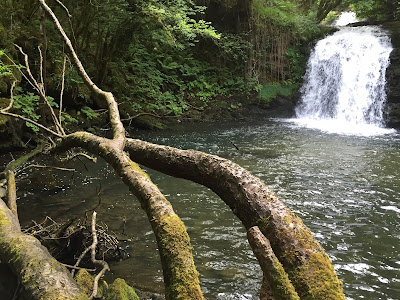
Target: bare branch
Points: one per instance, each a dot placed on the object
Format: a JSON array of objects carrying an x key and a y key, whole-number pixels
[
  {"x": 78, "y": 268},
  {"x": 32, "y": 122},
  {"x": 65, "y": 8},
  {"x": 11, "y": 97},
  {"x": 39, "y": 87},
  {"x": 50, "y": 167},
  {"x": 62, "y": 90},
  {"x": 70, "y": 157},
  {"x": 101, "y": 263},
  {"x": 116, "y": 124},
  {"x": 79, "y": 260},
  {"x": 32, "y": 81},
  {"x": 41, "y": 84}
]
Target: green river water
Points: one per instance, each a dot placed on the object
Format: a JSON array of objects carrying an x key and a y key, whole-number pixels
[{"x": 345, "y": 188}]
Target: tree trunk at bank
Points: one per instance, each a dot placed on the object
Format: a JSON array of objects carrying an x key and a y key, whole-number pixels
[
  {"x": 306, "y": 263},
  {"x": 42, "y": 276}
]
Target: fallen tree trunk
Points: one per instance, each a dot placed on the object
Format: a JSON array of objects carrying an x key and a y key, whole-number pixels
[
  {"x": 306, "y": 263},
  {"x": 42, "y": 276}
]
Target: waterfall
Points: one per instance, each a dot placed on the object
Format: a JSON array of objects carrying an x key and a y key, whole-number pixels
[{"x": 344, "y": 88}]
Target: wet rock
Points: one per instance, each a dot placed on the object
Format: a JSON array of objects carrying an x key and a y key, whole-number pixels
[{"x": 393, "y": 75}]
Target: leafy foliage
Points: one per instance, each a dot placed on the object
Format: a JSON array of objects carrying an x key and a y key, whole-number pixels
[
  {"x": 268, "y": 92},
  {"x": 163, "y": 57},
  {"x": 375, "y": 9},
  {"x": 89, "y": 113},
  {"x": 27, "y": 104}
]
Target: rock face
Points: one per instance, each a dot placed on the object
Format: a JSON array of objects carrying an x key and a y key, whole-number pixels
[{"x": 393, "y": 76}]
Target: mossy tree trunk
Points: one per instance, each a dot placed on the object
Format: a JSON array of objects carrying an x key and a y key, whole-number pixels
[{"x": 41, "y": 275}]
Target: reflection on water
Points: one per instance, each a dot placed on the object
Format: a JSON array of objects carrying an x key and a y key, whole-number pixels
[{"x": 345, "y": 188}]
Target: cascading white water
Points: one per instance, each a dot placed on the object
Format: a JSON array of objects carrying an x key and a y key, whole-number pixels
[{"x": 345, "y": 82}]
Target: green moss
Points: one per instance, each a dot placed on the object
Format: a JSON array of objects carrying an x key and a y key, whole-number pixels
[
  {"x": 281, "y": 286},
  {"x": 264, "y": 224},
  {"x": 315, "y": 278},
  {"x": 119, "y": 290},
  {"x": 323, "y": 284},
  {"x": 182, "y": 281},
  {"x": 85, "y": 283},
  {"x": 134, "y": 166},
  {"x": 318, "y": 273}
]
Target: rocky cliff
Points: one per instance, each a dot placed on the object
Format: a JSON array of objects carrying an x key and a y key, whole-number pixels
[{"x": 393, "y": 75}]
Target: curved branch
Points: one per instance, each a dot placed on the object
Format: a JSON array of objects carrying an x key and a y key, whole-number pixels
[{"x": 308, "y": 266}]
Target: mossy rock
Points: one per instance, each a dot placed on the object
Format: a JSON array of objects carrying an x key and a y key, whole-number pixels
[
  {"x": 85, "y": 283},
  {"x": 120, "y": 290},
  {"x": 148, "y": 122},
  {"x": 3, "y": 86},
  {"x": 4, "y": 102}
]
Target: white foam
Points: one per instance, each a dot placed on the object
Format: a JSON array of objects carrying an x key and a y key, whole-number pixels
[{"x": 346, "y": 18}]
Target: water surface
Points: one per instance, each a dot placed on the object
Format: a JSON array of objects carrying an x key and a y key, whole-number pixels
[{"x": 345, "y": 188}]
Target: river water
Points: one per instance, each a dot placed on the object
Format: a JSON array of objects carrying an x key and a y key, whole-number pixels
[{"x": 345, "y": 188}]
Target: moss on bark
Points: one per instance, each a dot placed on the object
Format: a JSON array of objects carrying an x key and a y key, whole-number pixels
[{"x": 178, "y": 250}]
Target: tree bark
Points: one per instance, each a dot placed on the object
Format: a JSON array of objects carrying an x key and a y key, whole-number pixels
[
  {"x": 306, "y": 263},
  {"x": 42, "y": 276},
  {"x": 276, "y": 284}
]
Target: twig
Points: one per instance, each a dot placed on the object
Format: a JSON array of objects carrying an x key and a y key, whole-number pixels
[
  {"x": 62, "y": 89},
  {"x": 233, "y": 144},
  {"x": 65, "y": 8},
  {"x": 102, "y": 263},
  {"x": 70, "y": 157},
  {"x": 141, "y": 114},
  {"x": 32, "y": 122},
  {"x": 40, "y": 88},
  {"x": 98, "y": 191},
  {"x": 78, "y": 268},
  {"x": 50, "y": 167},
  {"x": 79, "y": 259}
]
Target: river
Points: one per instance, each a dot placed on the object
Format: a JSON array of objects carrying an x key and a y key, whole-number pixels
[{"x": 344, "y": 187}]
